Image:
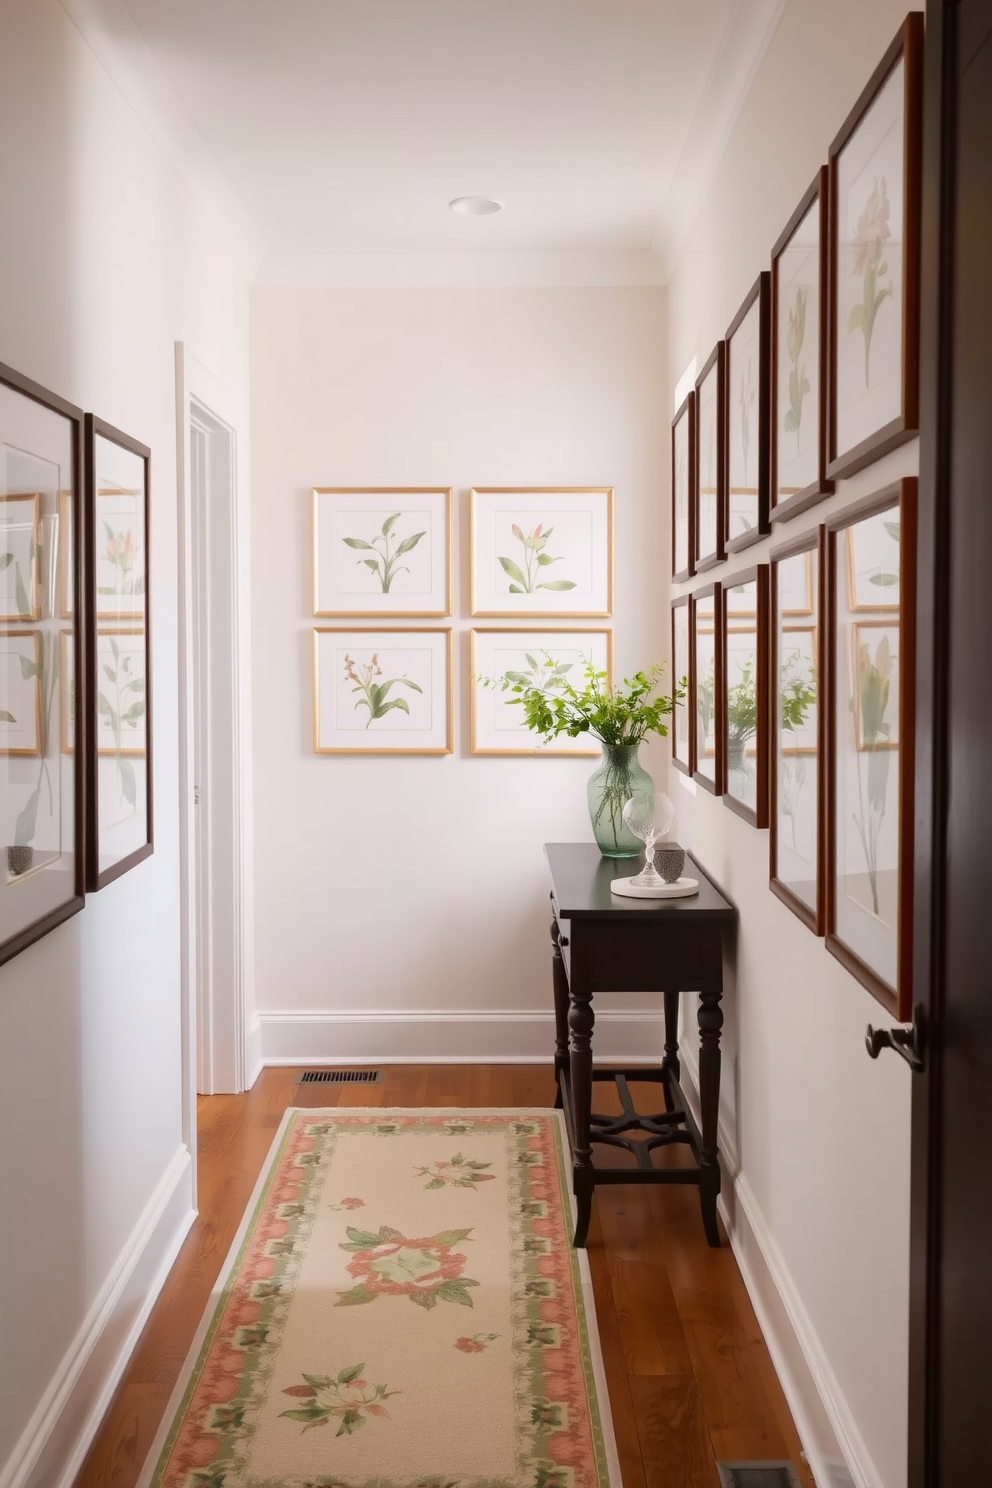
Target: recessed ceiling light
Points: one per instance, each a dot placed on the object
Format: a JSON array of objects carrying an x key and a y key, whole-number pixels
[{"x": 476, "y": 206}]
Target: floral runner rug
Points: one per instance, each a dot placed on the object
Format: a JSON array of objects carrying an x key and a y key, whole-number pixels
[{"x": 402, "y": 1308}]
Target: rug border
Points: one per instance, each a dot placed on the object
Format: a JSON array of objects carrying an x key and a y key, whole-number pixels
[{"x": 580, "y": 1258}]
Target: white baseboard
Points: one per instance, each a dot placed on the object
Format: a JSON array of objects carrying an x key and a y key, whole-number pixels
[
  {"x": 834, "y": 1447},
  {"x": 253, "y": 1052},
  {"x": 51, "y": 1449},
  {"x": 362, "y": 1035}
]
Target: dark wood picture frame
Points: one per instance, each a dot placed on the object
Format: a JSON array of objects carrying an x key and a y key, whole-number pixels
[
  {"x": 716, "y": 785},
  {"x": 45, "y": 923},
  {"x": 95, "y": 877},
  {"x": 759, "y": 294},
  {"x": 758, "y": 814},
  {"x": 907, "y": 46},
  {"x": 686, "y": 411},
  {"x": 716, "y": 364},
  {"x": 817, "y": 193},
  {"x": 902, "y": 496},
  {"x": 688, "y": 766},
  {"x": 815, "y": 544}
]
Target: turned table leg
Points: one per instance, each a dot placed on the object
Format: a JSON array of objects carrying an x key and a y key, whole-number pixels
[
  {"x": 559, "y": 982},
  {"x": 580, "y": 1022},
  {"x": 710, "y": 1024},
  {"x": 671, "y": 1059}
]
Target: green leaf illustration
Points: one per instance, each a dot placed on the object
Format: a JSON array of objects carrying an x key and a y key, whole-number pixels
[
  {"x": 515, "y": 572},
  {"x": 426, "y": 1300},
  {"x": 319, "y": 1381},
  {"x": 356, "y": 542},
  {"x": 516, "y": 589},
  {"x": 21, "y": 594},
  {"x": 128, "y": 785},
  {"x": 387, "y": 525},
  {"x": 409, "y": 542},
  {"x": 893, "y": 529},
  {"x": 455, "y": 1291},
  {"x": 856, "y": 319},
  {"x": 6, "y": 717},
  {"x": 355, "y": 1297},
  {"x": 346, "y": 1376},
  {"x": 306, "y": 1413},
  {"x": 885, "y": 580},
  {"x": 6, "y": 559},
  {"x": 350, "y": 1422},
  {"x": 452, "y": 1237},
  {"x": 109, "y": 673},
  {"x": 27, "y": 820},
  {"x": 556, "y": 584},
  {"x": 365, "y": 1239},
  {"x": 29, "y": 668}
]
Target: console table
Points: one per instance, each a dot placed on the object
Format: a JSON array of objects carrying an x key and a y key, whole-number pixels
[{"x": 601, "y": 944}]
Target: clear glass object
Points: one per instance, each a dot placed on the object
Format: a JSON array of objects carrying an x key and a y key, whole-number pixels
[
  {"x": 649, "y": 817},
  {"x": 619, "y": 777}
]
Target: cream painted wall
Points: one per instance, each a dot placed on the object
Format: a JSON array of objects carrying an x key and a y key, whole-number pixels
[
  {"x": 402, "y": 903},
  {"x": 105, "y": 262},
  {"x": 821, "y": 1135}
]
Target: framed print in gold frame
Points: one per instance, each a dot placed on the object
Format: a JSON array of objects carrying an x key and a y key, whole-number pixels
[
  {"x": 710, "y": 462},
  {"x": 745, "y": 509},
  {"x": 541, "y": 552},
  {"x": 384, "y": 551},
  {"x": 683, "y": 488},
  {"x": 521, "y": 654},
  {"x": 382, "y": 690},
  {"x": 683, "y": 726},
  {"x": 20, "y": 539},
  {"x": 21, "y": 669},
  {"x": 707, "y": 695}
]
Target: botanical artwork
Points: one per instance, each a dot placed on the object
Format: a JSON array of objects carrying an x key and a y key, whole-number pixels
[
  {"x": 21, "y": 726},
  {"x": 681, "y": 456},
  {"x": 796, "y": 586},
  {"x": 680, "y": 674},
  {"x": 743, "y": 375},
  {"x": 381, "y": 691},
  {"x": 869, "y": 332},
  {"x": 704, "y": 672},
  {"x": 541, "y": 552},
  {"x": 337, "y": 1349},
  {"x": 867, "y": 746},
  {"x": 797, "y": 359},
  {"x": 120, "y": 552},
  {"x": 121, "y": 714},
  {"x": 523, "y": 659},
  {"x": 20, "y": 536},
  {"x": 381, "y": 552},
  {"x": 873, "y": 562},
  {"x": 707, "y": 488},
  {"x": 741, "y": 682}
]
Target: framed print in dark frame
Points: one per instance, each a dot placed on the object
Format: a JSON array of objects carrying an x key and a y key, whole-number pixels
[
  {"x": 706, "y": 678},
  {"x": 745, "y": 498},
  {"x": 871, "y": 686},
  {"x": 683, "y": 714},
  {"x": 797, "y": 728},
  {"x": 874, "y": 262},
  {"x": 42, "y": 788},
  {"x": 710, "y": 462},
  {"x": 798, "y": 380},
  {"x": 745, "y": 694},
  {"x": 118, "y": 707},
  {"x": 683, "y": 489}
]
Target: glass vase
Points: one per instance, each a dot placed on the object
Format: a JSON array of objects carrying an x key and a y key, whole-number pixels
[{"x": 620, "y": 776}]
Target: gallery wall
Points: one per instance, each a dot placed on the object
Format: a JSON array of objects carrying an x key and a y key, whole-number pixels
[
  {"x": 107, "y": 260},
  {"x": 816, "y": 1137},
  {"x": 402, "y": 903}
]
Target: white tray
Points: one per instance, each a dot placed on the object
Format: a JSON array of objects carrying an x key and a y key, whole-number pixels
[{"x": 681, "y": 889}]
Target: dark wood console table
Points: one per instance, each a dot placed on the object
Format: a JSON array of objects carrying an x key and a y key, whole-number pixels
[{"x": 603, "y": 943}]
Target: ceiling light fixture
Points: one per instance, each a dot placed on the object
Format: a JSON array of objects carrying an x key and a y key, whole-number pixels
[{"x": 476, "y": 206}]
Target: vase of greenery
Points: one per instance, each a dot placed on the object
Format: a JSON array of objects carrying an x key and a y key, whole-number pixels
[
  {"x": 742, "y": 716},
  {"x": 619, "y": 717}
]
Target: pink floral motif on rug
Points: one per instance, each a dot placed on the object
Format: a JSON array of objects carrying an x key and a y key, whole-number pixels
[{"x": 404, "y": 1310}]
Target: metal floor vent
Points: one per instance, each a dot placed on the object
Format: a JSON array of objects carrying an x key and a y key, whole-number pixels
[
  {"x": 757, "y": 1475},
  {"x": 338, "y": 1077}
]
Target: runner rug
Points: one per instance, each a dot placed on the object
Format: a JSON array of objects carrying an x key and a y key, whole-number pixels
[{"x": 402, "y": 1308}]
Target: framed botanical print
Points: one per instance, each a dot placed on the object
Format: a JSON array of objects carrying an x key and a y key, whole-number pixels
[
  {"x": 709, "y": 462},
  {"x": 707, "y": 694},
  {"x": 875, "y": 167},
  {"x": 798, "y": 380},
  {"x": 683, "y": 488},
  {"x": 542, "y": 551},
  {"x": 382, "y": 551},
  {"x": 871, "y": 732},
  {"x": 382, "y": 691},
  {"x": 118, "y": 705},
  {"x": 42, "y": 878},
  {"x": 797, "y": 731},
  {"x": 745, "y": 694},
  {"x": 549, "y": 659},
  {"x": 683, "y": 717},
  {"x": 745, "y": 517}
]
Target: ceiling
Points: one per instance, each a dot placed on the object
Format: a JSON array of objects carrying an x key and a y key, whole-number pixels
[{"x": 342, "y": 128}]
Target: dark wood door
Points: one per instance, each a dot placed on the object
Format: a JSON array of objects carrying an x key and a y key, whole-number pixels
[{"x": 951, "y": 1326}]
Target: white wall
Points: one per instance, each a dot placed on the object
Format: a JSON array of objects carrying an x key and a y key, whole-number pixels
[
  {"x": 446, "y": 952},
  {"x": 820, "y": 1134},
  {"x": 105, "y": 261}
]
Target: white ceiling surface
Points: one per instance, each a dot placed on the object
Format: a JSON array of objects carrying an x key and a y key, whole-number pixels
[{"x": 341, "y": 129}]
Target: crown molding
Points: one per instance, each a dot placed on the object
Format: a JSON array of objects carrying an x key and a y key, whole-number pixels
[
  {"x": 122, "y": 51},
  {"x": 459, "y": 268}
]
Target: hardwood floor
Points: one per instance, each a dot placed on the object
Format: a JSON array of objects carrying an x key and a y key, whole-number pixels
[{"x": 690, "y": 1378}]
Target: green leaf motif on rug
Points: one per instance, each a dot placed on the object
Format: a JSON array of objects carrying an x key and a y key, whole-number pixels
[
  {"x": 457, "y": 1172},
  {"x": 388, "y": 1263},
  {"x": 346, "y": 1397}
]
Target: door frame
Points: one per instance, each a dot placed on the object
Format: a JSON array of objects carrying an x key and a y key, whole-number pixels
[{"x": 231, "y": 1059}]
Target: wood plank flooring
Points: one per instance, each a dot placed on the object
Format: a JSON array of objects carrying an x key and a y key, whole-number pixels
[{"x": 690, "y": 1378}]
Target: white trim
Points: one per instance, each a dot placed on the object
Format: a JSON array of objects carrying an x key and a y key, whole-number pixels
[
  {"x": 460, "y": 268},
  {"x": 799, "y": 1356},
  {"x": 253, "y": 1051},
  {"x": 55, "y": 1441},
  {"x": 440, "y": 1036}
]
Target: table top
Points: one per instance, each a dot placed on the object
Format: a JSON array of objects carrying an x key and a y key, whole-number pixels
[{"x": 581, "y": 877}]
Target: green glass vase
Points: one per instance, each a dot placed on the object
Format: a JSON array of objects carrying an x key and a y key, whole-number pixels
[{"x": 619, "y": 777}]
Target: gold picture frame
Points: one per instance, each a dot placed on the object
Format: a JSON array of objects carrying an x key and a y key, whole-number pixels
[
  {"x": 357, "y": 672},
  {"x": 533, "y": 749},
  {"x": 440, "y": 553},
  {"x": 36, "y": 636},
  {"x": 33, "y": 590},
  {"x": 545, "y": 502}
]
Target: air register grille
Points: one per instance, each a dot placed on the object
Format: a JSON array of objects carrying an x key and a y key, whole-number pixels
[{"x": 338, "y": 1077}]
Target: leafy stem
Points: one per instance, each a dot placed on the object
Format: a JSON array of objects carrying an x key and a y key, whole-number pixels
[
  {"x": 385, "y": 562},
  {"x": 124, "y": 711},
  {"x": 374, "y": 694},
  {"x": 535, "y": 560}
]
